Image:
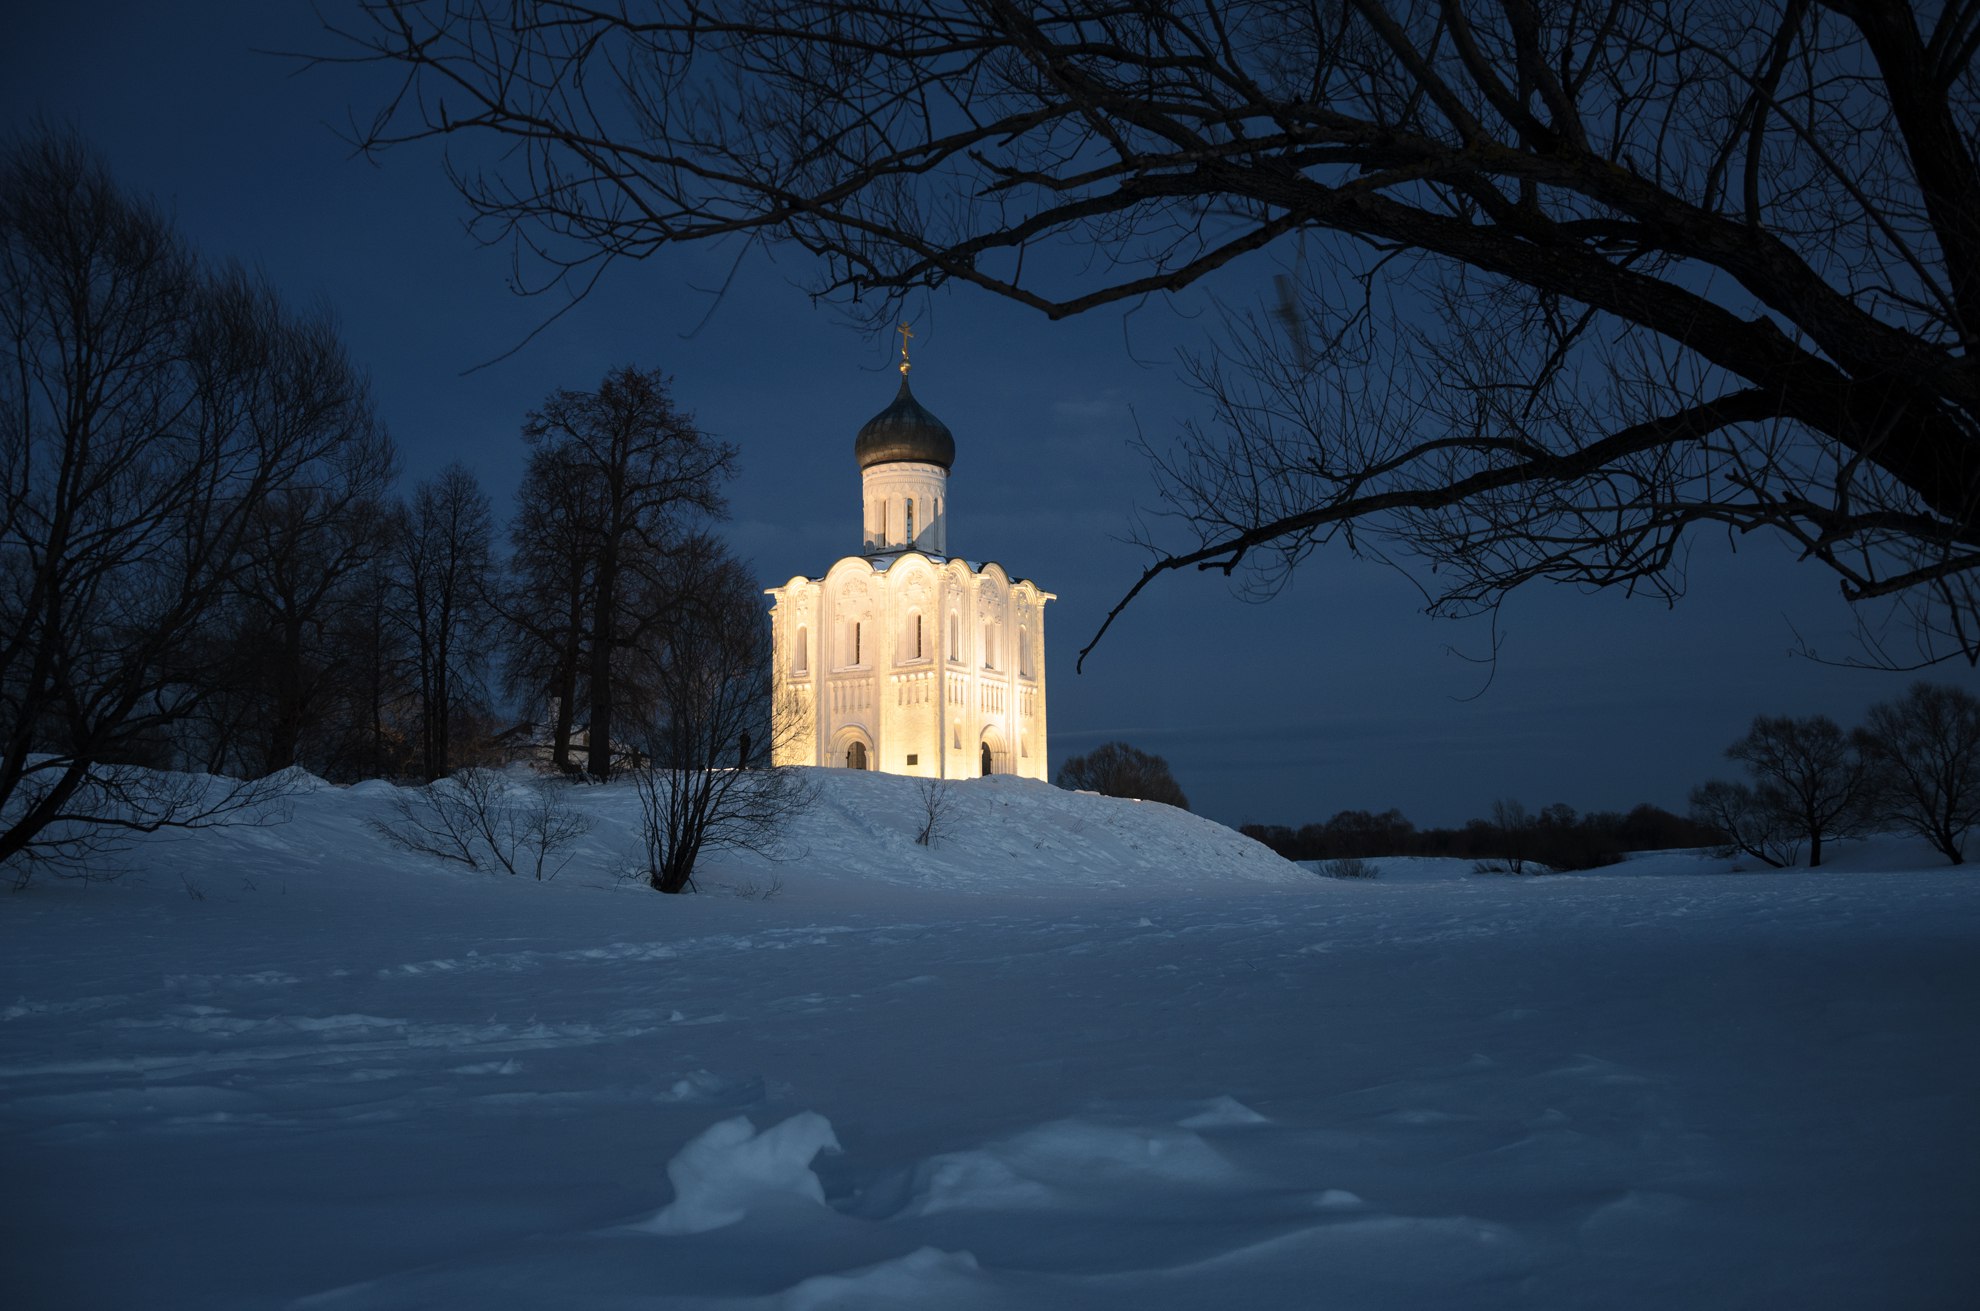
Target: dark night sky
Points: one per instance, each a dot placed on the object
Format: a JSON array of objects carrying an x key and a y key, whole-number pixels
[{"x": 1338, "y": 694}]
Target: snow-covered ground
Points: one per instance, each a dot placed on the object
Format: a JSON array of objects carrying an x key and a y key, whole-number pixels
[{"x": 1084, "y": 1053}]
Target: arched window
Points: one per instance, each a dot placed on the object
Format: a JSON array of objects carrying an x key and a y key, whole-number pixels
[
  {"x": 856, "y": 756},
  {"x": 1024, "y": 650},
  {"x": 917, "y": 635},
  {"x": 955, "y": 636},
  {"x": 856, "y": 627},
  {"x": 909, "y": 538},
  {"x": 800, "y": 651},
  {"x": 989, "y": 645}
]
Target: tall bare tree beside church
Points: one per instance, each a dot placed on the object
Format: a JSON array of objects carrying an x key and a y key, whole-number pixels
[
  {"x": 1555, "y": 284},
  {"x": 647, "y": 479}
]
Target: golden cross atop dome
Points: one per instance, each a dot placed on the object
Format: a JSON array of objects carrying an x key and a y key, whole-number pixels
[{"x": 905, "y": 332}]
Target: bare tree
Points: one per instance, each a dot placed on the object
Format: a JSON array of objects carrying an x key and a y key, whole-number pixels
[
  {"x": 1925, "y": 748},
  {"x": 1513, "y": 832},
  {"x": 1752, "y": 822},
  {"x": 712, "y": 705},
  {"x": 150, "y": 415},
  {"x": 1116, "y": 769},
  {"x": 439, "y": 551},
  {"x": 548, "y": 594},
  {"x": 1555, "y": 284},
  {"x": 652, "y": 478},
  {"x": 308, "y": 547},
  {"x": 1808, "y": 771}
]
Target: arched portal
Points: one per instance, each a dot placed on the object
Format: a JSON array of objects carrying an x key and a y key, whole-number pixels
[
  {"x": 990, "y": 752},
  {"x": 856, "y": 756}
]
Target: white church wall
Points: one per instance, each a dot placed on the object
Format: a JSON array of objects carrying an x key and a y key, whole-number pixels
[{"x": 976, "y": 679}]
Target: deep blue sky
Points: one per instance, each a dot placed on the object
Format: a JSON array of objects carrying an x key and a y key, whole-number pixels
[{"x": 1338, "y": 694}]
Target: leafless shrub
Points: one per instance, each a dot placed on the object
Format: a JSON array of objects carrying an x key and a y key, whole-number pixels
[
  {"x": 754, "y": 891},
  {"x": 1350, "y": 867},
  {"x": 1504, "y": 865},
  {"x": 483, "y": 820},
  {"x": 935, "y": 797},
  {"x": 712, "y": 703}
]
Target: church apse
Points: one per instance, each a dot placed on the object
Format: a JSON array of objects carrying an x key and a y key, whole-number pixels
[{"x": 904, "y": 658}]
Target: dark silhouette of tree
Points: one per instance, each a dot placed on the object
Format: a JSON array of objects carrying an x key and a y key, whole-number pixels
[
  {"x": 1119, "y": 770},
  {"x": 307, "y": 550},
  {"x": 1513, "y": 829},
  {"x": 151, "y": 415},
  {"x": 1807, "y": 772},
  {"x": 548, "y": 595},
  {"x": 709, "y": 673},
  {"x": 1925, "y": 749},
  {"x": 1555, "y": 284},
  {"x": 1754, "y": 822},
  {"x": 440, "y": 566},
  {"x": 652, "y": 479}
]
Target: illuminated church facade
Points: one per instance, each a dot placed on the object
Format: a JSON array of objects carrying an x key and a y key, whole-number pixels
[{"x": 904, "y": 658}]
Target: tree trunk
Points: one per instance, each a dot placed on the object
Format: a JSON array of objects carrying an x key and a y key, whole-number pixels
[
  {"x": 564, "y": 687},
  {"x": 600, "y": 763},
  {"x": 285, "y": 734}
]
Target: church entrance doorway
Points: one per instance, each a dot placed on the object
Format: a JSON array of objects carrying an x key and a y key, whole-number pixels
[
  {"x": 986, "y": 759},
  {"x": 856, "y": 756}
]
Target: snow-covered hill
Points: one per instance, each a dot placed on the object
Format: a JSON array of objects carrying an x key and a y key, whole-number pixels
[{"x": 1081, "y": 1053}]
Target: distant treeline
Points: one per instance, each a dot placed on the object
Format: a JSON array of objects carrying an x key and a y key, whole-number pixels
[{"x": 1556, "y": 836}]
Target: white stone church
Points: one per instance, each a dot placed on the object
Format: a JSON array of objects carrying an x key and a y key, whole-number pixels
[{"x": 905, "y": 658}]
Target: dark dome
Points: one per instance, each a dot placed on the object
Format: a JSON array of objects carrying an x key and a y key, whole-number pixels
[{"x": 904, "y": 433}]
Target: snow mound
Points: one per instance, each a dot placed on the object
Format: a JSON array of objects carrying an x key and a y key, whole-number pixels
[
  {"x": 925, "y": 1277},
  {"x": 1003, "y": 832},
  {"x": 1073, "y": 1165},
  {"x": 730, "y": 1169}
]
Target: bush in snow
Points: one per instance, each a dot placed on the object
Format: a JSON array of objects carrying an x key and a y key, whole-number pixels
[
  {"x": 1350, "y": 867},
  {"x": 1119, "y": 770},
  {"x": 709, "y": 678},
  {"x": 934, "y": 796},
  {"x": 486, "y": 821}
]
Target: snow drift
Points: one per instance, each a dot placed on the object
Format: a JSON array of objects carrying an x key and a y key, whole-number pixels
[{"x": 1082, "y": 1053}]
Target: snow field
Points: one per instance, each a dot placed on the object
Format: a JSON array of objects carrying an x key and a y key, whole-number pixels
[{"x": 1037, "y": 1066}]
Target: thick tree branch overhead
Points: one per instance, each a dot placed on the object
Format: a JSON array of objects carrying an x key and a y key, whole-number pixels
[{"x": 1588, "y": 276}]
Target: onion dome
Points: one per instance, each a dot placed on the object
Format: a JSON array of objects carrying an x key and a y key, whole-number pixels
[{"x": 904, "y": 433}]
